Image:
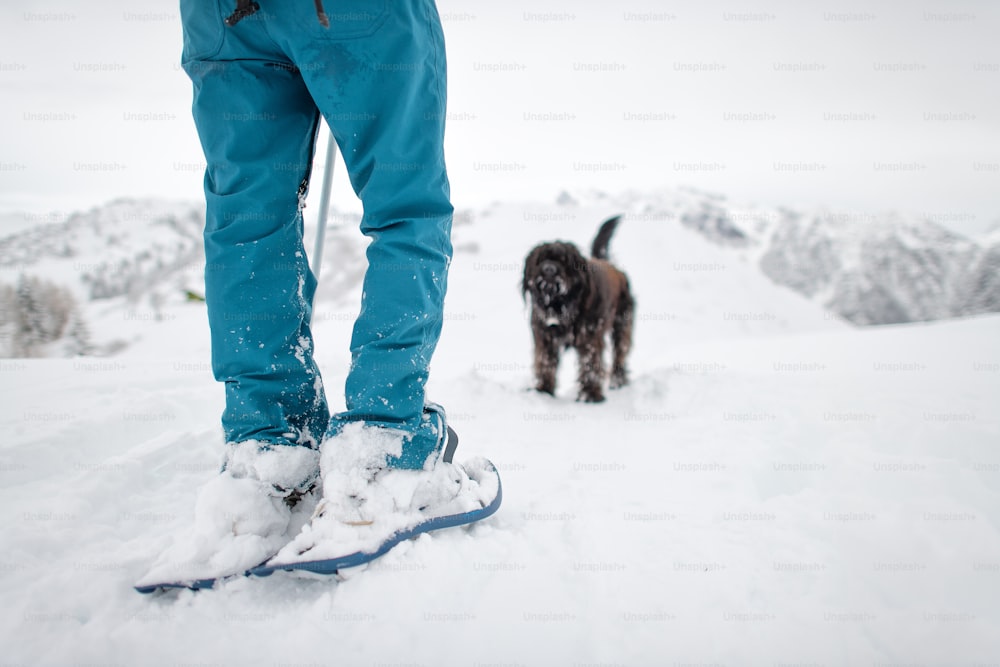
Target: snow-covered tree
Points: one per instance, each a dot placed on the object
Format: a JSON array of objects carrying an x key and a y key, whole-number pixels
[{"x": 37, "y": 313}]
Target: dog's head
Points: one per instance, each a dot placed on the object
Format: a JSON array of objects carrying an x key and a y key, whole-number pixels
[{"x": 557, "y": 277}]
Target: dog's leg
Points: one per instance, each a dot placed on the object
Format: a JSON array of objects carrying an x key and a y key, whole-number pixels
[
  {"x": 591, "y": 379},
  {"x": 621, "y": 339},
  {"x": 546, "y": 362}
]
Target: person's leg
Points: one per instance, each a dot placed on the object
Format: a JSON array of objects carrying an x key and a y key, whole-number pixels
[
  {"x": 381, "y": 87},
  {"x": 257, "y": 124}
]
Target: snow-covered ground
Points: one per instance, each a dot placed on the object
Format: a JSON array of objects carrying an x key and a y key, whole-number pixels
[{"x": 775, "y": 487}]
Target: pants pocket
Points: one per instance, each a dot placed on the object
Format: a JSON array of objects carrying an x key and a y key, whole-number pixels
[
  {"x": 204, "y": 30},
  {"x": 349, "y": 19}
]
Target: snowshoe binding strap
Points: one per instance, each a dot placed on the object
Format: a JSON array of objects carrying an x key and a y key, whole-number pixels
[{"x": 450, "y": 446}]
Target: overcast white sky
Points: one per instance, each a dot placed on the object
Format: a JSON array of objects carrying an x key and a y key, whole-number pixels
[{"x": 856, "y": 106}]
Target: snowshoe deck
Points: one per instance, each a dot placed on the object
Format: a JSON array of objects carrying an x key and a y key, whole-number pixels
[{"x": 332, "y": 565}]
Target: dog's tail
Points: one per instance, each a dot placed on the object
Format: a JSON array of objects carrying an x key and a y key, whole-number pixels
[{"x": 599, "y": 250}]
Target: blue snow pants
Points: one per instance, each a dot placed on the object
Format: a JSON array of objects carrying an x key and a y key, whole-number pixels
[{"x": 377, "y": 76}]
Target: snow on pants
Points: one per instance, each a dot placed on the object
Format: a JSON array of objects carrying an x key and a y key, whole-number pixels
[{"x": 377, "y": 76}]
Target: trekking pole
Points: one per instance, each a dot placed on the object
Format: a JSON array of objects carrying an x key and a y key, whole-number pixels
[{"x": 324, "y": 204}]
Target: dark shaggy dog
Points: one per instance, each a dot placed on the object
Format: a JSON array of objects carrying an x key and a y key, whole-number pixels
[{"x": 576, "y": 302}]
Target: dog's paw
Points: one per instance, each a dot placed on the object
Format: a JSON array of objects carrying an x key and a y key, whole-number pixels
[
  {"x": 545, "y": 388},
  {"x": 591, "y": 396},
  {"x": 618, "y": 381}
]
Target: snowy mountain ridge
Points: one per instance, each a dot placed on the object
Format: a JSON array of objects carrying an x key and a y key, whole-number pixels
[
  {"x": 125, "y": 247},
  {"x": 142, "y": 253},
  {"x": 891, "y": 271},
  {"x": 867, "y": 268}
]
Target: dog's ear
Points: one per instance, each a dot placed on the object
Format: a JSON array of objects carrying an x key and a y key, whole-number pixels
[
  {"x": 530, "y": 270},
  {"x": 583, "y": 274}
]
